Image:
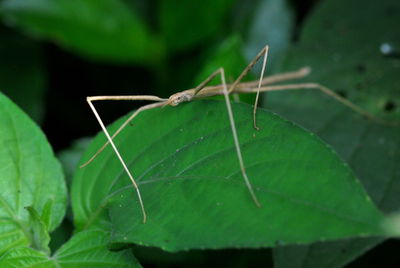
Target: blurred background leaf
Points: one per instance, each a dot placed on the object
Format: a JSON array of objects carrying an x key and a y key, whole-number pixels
[
  {"x": 227, "y": 55},
  {"x": 70, "y": 157},
  {"x": 271, "y": 22},
  {"x": 185, "y": 24},
  {"x": 23, "y": 75},
  {"x": 101, "y": 29},
  {"x": 345, "y": 55}
]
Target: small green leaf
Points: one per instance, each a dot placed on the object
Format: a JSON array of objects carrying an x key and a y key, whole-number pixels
[
  {"x": 184, "y": 24},
  {"x": 86, "y": 249},
  {"x": 102, "y": 29},
  {"x": 46, "y": 213},
  {"x": 25, "y": 257},
  {"x": 30, "y": 176},
  {"x": 40, "y": 234},
  {"x": 195, "y": 196}
]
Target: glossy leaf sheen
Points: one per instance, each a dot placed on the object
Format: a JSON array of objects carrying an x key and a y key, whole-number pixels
[
  {"x": 86, "y": 249},
  {"x": 30, "y": 175},
  {"x": 344, "y": 55},
  {"x": 185, "y": 162}
]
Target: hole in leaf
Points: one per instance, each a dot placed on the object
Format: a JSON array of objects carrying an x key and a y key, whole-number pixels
[{"x": 389, "y": 106}]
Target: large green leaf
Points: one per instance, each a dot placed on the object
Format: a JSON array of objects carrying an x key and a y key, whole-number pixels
[
  {"x": 85, "y": 249},
  {"x": 344, "y": 55},
  {"x": 101, "y": 29},
  {"x": 30, "y": 176},
  {"x": 185, "y": 163}
]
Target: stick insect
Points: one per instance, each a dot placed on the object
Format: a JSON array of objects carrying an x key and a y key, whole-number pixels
[{"x": 203, "y": 91}]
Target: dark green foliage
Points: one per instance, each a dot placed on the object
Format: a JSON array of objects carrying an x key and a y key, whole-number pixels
[
  {"x": 22, "y": 73},
  {"x": 325, "y": 187},
  {"x": 103, "y": 29},
  {"x": 355, "y": 67}
]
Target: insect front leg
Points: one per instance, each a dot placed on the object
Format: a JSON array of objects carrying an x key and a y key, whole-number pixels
[
  {"x": 249, "y": 186},
  {"x": 90, "y": 101}
]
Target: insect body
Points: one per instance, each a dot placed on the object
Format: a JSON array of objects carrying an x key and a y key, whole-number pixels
[{"x": 202, "y": 91}]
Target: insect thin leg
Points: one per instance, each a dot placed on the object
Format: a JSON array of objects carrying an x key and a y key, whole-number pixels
[
  {"x": 247, "y": 69},
  {"x": 232, "y": 87},
  {"x": 236, "y": 140},
  {"x": 258, "y": 88},
  {"x": 89, "y": 100},
  {"x": 330, "y": 93},
  {"x": 206, "y": 81},
  {"x": 141, "y": 109}
]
